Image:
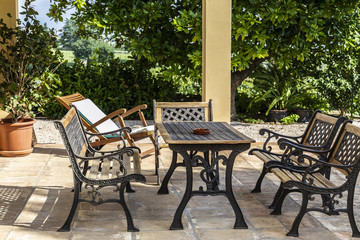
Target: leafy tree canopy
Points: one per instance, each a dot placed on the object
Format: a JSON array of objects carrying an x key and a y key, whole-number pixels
[
  {"x": 84, "y": 47},
  {"x": 168, "y": 32}
]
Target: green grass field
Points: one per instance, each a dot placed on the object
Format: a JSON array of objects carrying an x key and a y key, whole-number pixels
[{"x": 69, "y": 56}]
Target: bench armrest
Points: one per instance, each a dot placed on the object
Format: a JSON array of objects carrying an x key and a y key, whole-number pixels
[
  {"x": 317, "y": 161},
  {"x": 122, "y": 151},
  {"x": 282, "y": 141},
  {"x": 116, "y": 150},
  {"x": 271, "y": 134}
]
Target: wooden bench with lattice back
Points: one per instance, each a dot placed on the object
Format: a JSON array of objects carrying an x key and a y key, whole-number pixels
[
  {"x": 343, "y": 158},
  {"x": 95, "y": 169},
  {"x": 319, "y": 134},
  {"x": 178, "y": 111}
]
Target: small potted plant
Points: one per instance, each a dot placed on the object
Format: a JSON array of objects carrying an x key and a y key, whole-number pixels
[{"x": 27, "y": 65}]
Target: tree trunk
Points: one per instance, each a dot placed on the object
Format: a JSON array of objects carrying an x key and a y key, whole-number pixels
[{"x": 237, "y": 78}]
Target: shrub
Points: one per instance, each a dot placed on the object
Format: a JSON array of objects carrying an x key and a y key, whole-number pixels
[
  {"x": 111, "y": 84},
  {"x": 290, "y": 119}
]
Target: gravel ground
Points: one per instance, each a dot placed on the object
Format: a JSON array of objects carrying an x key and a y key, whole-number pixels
[{"x": 46, "y": 132}]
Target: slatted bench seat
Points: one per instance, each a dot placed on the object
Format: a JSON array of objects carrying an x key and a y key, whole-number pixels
[
  {"x": 318, "y": 179},
  {"x": 343, "y": 157},
  {"x": 319, "y": 134},
  {"x": 95, "y": 169}
]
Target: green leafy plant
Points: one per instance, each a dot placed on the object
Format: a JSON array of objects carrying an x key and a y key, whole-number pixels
[
  {"x": 278, "y": 88},
  {"x": 111, "y": 84},
  {"x": 27, "y": 65},
  {"x": 252, "y": 120},
  {"x": 290, "y": 119}
]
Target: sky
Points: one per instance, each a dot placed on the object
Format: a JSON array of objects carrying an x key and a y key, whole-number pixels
[{"x": 42, "y": 7}]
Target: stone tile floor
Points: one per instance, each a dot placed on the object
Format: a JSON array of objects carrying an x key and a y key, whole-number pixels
[{"x": 36, "y": 198}]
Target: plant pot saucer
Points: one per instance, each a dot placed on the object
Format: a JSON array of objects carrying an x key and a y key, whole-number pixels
[{"x": 21, "y": 153}]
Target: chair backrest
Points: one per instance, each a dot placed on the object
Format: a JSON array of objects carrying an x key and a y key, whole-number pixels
[
  {"x": 346, "y": 150},
  {"x": 183, "y": 111},
  {"x": 67, "y": 100},
  {"x": 321, "y": 130},
  {"x": 91, "y": 114},
  {"x": 73, "y": 136}
]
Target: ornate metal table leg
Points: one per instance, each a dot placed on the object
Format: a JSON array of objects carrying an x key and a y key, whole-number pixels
[
  {"x": 240, "y": 221},
  {"x": 177, "y": 224},
  {"x": 164, "y": 185}
]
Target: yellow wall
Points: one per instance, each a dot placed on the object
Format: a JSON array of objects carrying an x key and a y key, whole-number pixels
[
  {"x": 216, "y": 83},
  {"x": 8, "y": 6}
]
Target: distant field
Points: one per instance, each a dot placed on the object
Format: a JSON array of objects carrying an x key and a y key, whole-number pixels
[{"x": 69, "y": 55}]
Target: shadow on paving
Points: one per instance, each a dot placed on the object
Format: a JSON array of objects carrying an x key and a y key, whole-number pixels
[{"x": 12, "y": 201}]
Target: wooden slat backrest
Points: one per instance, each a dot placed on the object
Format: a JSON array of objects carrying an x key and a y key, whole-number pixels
[
  {"x": 347, "y": 148},
  {"x": 320, "y": 130},
  {"x": 74, "y": 133},
  {"x": 67, "y": 100},
  {"x": 183, "y": 111}
]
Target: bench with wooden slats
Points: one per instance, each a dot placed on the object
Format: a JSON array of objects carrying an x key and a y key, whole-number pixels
[
  {"x": 97, "y": 169},
  {"x": 344, "y": 158},
  {"x": 320, "y": 133},
  {"x": 317, "y": 179}
]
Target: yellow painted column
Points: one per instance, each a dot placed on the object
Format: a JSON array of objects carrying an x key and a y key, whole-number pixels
[
  {"x": 216, "y": 56},
  {"x": 8, "y": 6}
]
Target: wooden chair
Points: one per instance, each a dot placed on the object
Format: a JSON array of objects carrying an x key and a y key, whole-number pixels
[
  {"x": 319, "y": 134},
  {"x": 343, "y": 157},
  {"x": 95, "y": 169},
  {"x": 178, "y": 111},
  {"x": 117, "y": 116}
]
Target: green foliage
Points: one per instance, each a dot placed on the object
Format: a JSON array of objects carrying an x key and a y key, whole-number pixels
[
  {"x": 112, "y": 84},
  {"x": 83, "y": 48},
  {"x": 252, "y": 120},
  {"x": 337, "y": 80},
  {"x": 168, "y": 32},
  {"x": 27, "y": 65},
  {"x": 290, "y": 119},
  {"x": 278, "y": 89}
]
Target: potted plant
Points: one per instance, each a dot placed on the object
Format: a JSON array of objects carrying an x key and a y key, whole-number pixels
[
  {"x": 27, "y": 65},
  {"x": 278, "y": 90}
]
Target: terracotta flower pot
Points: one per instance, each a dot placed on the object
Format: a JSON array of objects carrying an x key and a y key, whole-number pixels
[{"x": 16, "y": 138}]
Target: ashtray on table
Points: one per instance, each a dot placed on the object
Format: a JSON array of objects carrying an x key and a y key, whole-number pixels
[{"x": 201, "y": 131}]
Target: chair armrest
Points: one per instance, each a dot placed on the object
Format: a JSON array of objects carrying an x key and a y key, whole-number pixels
[
  {"x": 133, "y": 110},
  {"x": 109, "y": 116},
  {"x": 124, "y": 129},
  {"x": 271, "y": 134}
]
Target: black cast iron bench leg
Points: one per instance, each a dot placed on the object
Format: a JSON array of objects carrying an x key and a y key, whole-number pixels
[
  {"x": 66, "y": 226},
  {"x": 164, "y": 185}
]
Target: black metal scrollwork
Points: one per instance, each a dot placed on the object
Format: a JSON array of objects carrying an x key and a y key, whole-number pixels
[{"x": 210, "y": 174}]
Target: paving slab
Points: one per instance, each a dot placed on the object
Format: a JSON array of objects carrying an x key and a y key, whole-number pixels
[{"x": 36, "y": 197}]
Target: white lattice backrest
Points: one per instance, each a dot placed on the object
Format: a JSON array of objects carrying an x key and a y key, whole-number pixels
[{"x": 183, "y": 111}]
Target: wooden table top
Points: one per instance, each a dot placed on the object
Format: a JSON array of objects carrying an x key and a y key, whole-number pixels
[{"x": 182, "y": 133}]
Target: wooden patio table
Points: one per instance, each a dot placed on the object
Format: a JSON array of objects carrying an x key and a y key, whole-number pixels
[{"x": 222, "y": 137}]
